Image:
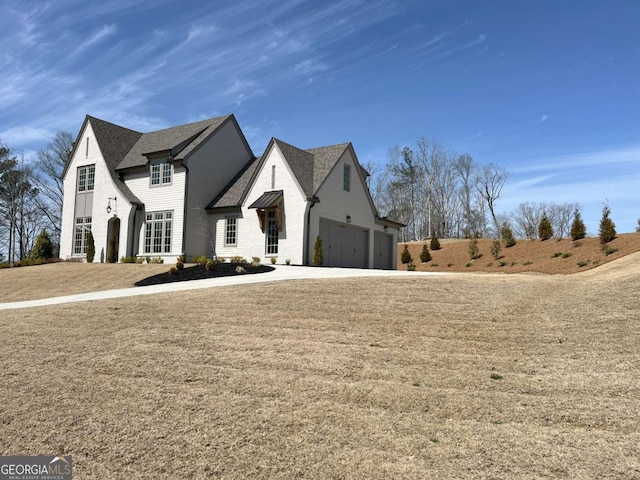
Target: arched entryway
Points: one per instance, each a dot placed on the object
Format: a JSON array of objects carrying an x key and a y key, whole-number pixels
[{"x": 113, "y": 239}]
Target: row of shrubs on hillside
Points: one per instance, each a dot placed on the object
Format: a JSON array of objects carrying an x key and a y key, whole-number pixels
[{"x": 607, "y": 232}]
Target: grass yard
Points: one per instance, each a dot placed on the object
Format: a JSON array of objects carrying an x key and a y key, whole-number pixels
[{"x": 469, "y": 376}]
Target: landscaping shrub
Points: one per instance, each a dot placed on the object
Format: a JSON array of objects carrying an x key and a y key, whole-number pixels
[
  {"x": 200, "y": 260},
  {"x": 507, "y": 236},
  {"x": 545, "y": 230},
  {"x": 255, "y": 260},
  {"x": 172, "y": 270},
  {"x": 210, "y": 265},
  {"x": 238, "y": 259},
  {"x": 43, "y": 248},
  {"x": 474, "y": 251},
  {"x": 179, "y": 264},
  {"x": 435, "y": 244},
  {"x": 578, "y": 230},
  {"x": 273, "y": 260},
  {"x": 288, "y": 261},
  {"x": 405, "y": 256},
  {"x": 181, "y": 258},
  {"x": 582, "y": 264},
  {"x": 425, "y": 256},
  {"x": 91, "y": 247},
  {"x": 609, "y": 250},
  {"x": 153, "y": 260},
  {"x": 495, "y": 249},
  {"x": 411, "y": 267},
  {"x": 318, "y": 256},
  {"x": 607, "y": 227},
  {"x": 566, "y": 255}
]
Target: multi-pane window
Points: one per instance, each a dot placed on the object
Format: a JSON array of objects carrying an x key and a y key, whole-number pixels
[
  {"x": 83, "y": 226},
  {"x": 160, "y": 173},
  {"x": 86, "y": 178},
  {"x": 157, "y": 232},
  {"x": 346, "y": 181},
  {"x": 231, "y": 232},
  {"x": 272, "y": 233}
]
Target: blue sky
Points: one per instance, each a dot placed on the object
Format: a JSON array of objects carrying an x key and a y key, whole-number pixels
[{"x": 548, "y": 89}]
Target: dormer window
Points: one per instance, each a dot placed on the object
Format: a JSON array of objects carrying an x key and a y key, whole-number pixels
[{"x": 160, "y": 173}]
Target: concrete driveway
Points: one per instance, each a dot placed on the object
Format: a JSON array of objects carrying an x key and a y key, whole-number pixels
[{"x": 281, "y": 273}]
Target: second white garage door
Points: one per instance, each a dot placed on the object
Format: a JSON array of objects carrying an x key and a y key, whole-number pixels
[{"x": 344, "y": 245}]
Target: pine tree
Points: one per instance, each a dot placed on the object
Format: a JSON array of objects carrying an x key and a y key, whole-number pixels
[
  {"x": 507, "y": 235},
  {"x": 318, "y": 256},
  {"x": 474, "y": 251},
  {"x": 495, "y": 249},
  {"x": 406, "y": 256},
  {"x": 545, "y": 230},
  {"x": 607, "y": 227},
  {"x": 91, "y": 247},
  {"x": 425, "y": 256},
  {"x": 435, "y": 244},
  {"x": 43, "y": 248},
  {"x": 578, "y": 230}
]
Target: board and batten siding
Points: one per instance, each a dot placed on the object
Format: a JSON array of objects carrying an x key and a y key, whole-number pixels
[
  {"x": 104, "y": 188},
  {"x": 160, "y": 198},
  {"x": 210, "y": 168},
  {"x": 291, "y": 238}
]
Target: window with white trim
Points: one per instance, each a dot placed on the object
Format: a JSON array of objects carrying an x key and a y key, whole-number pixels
[
  {"x": 272, "y": 233},
  {"x": 86, "y": 178},
  {"x": 161, "y": 173},
  {"x": 157, "y": 232},
  {"x": 346, "y": 179},
  {"x": 83, "y": 226},
  {"x": 231, "y": 232}
]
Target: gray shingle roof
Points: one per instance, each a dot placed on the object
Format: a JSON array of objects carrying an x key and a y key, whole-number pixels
[
  {"x": 325, "y": 159},
  {"x": 180, "y": 141},
  {"x": 114, "y": 142},
  {"x": 234, "y": 193},
  {"x": 301, "y": 163}
]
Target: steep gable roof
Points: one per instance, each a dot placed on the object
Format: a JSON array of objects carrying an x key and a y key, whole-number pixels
[
  {"x": 114, "y": 142},
  {"x": 236, "y": 190},
  {"x": 301, "y": 163},
  {"x": 178, "y": 141},
  {"x": 325, "y": 159}
]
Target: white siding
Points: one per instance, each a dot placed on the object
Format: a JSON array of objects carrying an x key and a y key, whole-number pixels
[
  {"x": 291, "y": 238},
  {"x": 227, "y": 251},
  {"x": 210, "y": 168},
  {"x": 103, "y": 189}
]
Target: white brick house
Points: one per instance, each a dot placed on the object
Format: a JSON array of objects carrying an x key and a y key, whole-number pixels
[{"x": 197, "y": 189}]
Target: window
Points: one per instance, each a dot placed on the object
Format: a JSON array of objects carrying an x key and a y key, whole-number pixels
[
  {"x": 346, "y": 180},
  {"x": 160, "y": 173},
  {"x": 157, "y": 232},
  {"x": 231, "y": 232},
  {"x": 272, "y": 233},
  {"x": 83, "y": 226},
  {"x": 86, "y": 178}
]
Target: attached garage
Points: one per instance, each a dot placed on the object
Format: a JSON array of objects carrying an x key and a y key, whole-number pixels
[
  {"x": 344, "y": 245},
  {"x": 383, "y": 251}
]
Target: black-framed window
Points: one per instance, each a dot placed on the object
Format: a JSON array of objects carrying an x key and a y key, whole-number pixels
[
  {"x": 231, "y": 231},
  {"x": 346, "y": 179}
]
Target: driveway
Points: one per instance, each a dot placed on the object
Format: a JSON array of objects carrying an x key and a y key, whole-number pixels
[{"x": 281, "y": 273}]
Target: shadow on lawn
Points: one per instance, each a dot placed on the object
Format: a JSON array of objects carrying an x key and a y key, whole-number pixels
[{"x": 199, "y": 272}]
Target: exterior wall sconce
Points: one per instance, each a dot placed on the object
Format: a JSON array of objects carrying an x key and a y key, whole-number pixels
[
  {"x": 348, "y": 218},
  {"x": 115, "y": 201},
  {"x": 386, "y": 229}
]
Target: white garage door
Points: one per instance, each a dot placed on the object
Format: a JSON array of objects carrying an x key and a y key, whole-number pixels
[
  {"x": 382, "y": 251},
  {"x": 344, "y": 245}
]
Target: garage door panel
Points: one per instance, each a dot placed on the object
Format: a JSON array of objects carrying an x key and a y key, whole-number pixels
[{"x": 344, "y": 246}]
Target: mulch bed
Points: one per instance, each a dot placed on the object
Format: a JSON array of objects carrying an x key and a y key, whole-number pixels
[{"x": 199, "y": 272}]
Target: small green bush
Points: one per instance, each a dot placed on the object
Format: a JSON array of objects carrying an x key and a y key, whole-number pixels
[
  {"x": 405, "y": 257},
  {"x": 582, "y": 264},
  {"x": 490, "y": 264},
  {"x": 179, "y": 265},
  {"x": 411, "y": 267},
  {"x": 182, "y": 258},
  {"x": 449, "y": 264},
  {"x": 507, "y": 236},
  {"x": 153, "y": 260},
  {"x": 566, "y": 255},
  {"x": 468, "y": 264},
  {"x": 496, "y": 247},
  {"x": 43, "y": 248},
  {"x": 129, "y": 259},
  {"x": 495, "y": 376},
  {"x": 556, "y": 254},
  {"x": 434, "y": 265},
  {"x": 172, "y": 270},
  {"x": 255, "y": 260},
  {"x": 528, "y": 262},
  {"x": 239, "y": 259},
  {"x": 318, "y": 253},
  {"x": 435, "y": 244},
  {"x": 502, "y": 264},
  {"x": 425, "y": 256},
  {"x": 474, "y": 251},
  {"x": 91, "y": 247},
  {"x": 209, "y": 265},
  {"x": 607, "y": 229},
  {"x": 545, "y": 230},
  {"x": 578, "y": 230},
  {"x": 200, "y": 260},
  {"x": 609, "y": 250},
  {"x": 273, "y": 260},
  {"x": 288, "y": 261}
]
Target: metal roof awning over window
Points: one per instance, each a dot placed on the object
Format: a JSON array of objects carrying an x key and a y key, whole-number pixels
[{"x": 268, "y": 200}]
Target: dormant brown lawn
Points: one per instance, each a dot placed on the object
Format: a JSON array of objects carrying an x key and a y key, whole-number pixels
[{"x": 468, "y": 376}]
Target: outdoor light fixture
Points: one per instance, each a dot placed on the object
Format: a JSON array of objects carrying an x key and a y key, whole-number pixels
[
  {"x": 115, "y": 199},
  {"x": 348, "y": 218},
  {"x": 386, "y": 229}
]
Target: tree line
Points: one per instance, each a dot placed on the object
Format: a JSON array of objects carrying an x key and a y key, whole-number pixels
[{"x": 31, "y": 193}]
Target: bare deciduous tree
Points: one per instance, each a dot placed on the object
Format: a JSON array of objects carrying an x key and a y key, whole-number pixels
[{"x": 490, "y": 181}]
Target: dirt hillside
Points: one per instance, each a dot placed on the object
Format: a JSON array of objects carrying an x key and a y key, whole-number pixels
[{"x": 550, "y": 256}]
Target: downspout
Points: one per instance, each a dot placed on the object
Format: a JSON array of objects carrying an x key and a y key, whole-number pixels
[
  {"x": 184, "y": 213},
  {"x": 313, "y": 201}
]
